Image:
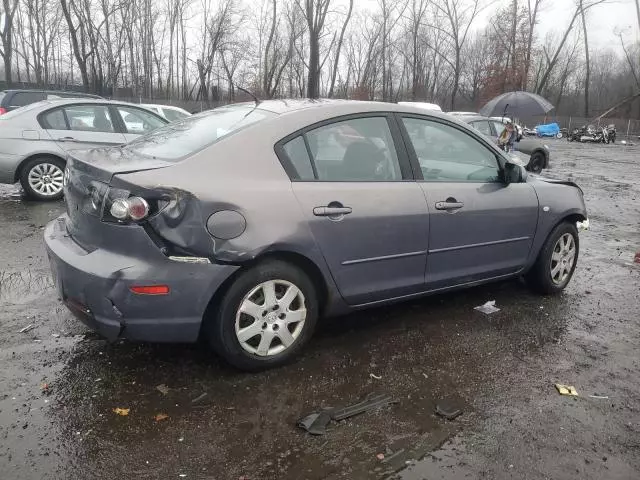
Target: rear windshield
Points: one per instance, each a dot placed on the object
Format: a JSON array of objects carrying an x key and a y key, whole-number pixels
[
  {"x": 19, "y": 111},
  {"x": 177, "y": 141}
]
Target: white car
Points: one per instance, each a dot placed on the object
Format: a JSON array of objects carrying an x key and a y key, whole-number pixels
[
  {"x": 425, "y": 105},
  {"x": 169, "y": 112}
]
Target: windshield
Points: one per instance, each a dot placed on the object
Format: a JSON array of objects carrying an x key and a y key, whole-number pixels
[{"x": 184, "y": 138}]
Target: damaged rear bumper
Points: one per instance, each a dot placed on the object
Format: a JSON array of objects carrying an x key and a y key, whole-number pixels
[{"x": 95, "y": 286}]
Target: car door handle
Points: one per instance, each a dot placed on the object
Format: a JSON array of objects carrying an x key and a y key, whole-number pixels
[
  {"x": 449, "y": 205},
  {"x": 328, "y": 211},
  {"x": 66, "y": 139}
]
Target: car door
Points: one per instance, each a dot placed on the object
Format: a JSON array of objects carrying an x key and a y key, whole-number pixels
[
  {"x": 366, "y": 213},
  {"x": 138, "y": 121},
  {"x": 480, "y": 228},
  {"x": 80, "y": 126}
]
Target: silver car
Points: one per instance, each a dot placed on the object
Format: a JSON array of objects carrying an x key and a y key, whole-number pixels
[
  {"x": 35, "y": 139},
  {"x": 245, "y": 224}
]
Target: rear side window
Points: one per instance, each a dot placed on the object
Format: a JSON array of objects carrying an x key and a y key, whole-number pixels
[
  {"x": 177, "y": 141},
  {"x": 297, "y": 153},
  {"x": 89, "y": 118},
  {"x": 138, "y": 121},
  {"x": 499, "y": 126},
  {"x": 54, "y": 120},
  {"x": 173, "y": 115},
  {"x": 21, "y": 99},
  {"x": 482, "y": 127}
]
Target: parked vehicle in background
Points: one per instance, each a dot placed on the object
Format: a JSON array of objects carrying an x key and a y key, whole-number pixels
[
  {"x": 548, "y": 130},
  {"x": 169, "y": 112},
  {"x": 425, "y": 105},
  {"x": 591, "y": 134},
  {"x": 35, "y": 140},
  {"x": 611, "y": 133},
  {"x": 463, "y": 114},
  {"x": 537, "y": 151},
  {"x": 12, "y": 99},
  {"x": 247, "y": 223}
]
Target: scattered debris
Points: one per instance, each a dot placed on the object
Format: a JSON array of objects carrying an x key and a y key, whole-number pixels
[
  {"x": 316, "y": 423},
  {"x": 162, "y": 388},
  {"x": 98, "y": 380},
  {"x": 121, "y": 411},
  {"x": 373, "y": 375},
  {"x": 636, "y": 259},
  {"x": 27, "y": 328},
  {"x": 566, "y": 390},
  {"x": 425, "y": 375},
  {"x": 602, "y": 397},
  {"x": 583, "y": 226},
  {"x": 394, "y": 455},
  {"x": 448, "y": 411},
  {"x": 199, "y": 398},
  {"x": 181, "y": 439},
  {"x": 182, "y": 475},
  {"x": 488, "y": 307},
  {"x": 45, "y": 388},
  {"x": 161, "y": 416},
  {"x": 380, "y": 456},
  {"x": 55, "y": 335}
]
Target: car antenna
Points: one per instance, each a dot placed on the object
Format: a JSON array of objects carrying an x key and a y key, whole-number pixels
[{"x": 255, "y": 99}]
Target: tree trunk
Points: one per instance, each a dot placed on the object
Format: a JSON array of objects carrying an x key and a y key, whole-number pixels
[
  {"x": 313, "y": 83},
  {"x": 587, "y": 66},
  {"x": 338, "y": 48},
  {"x": 73, "y": 32}
]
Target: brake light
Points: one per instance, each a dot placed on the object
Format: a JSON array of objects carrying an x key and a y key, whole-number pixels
[
  {"x": 3, "y": 111},
  {"x": 132, "y": 208},
  {"x": 150, "y": 289}
]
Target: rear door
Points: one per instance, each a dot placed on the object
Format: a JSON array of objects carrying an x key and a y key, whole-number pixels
[
  {"x": 81, "y": 126},
  {"x": 480, "y": 228},
  {"x": 363, "y": 207}
]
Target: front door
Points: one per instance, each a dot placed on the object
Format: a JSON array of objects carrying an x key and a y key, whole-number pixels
[
  {"x": 480, "y": 228},
  {"x": 81, "y": 126},
  {"x": 368, "y": 217}
]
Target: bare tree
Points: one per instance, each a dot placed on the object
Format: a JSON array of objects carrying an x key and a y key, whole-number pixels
[
  {"x": 6, "y": 36},
  {"x": 338, "y": 49},
  {"x": 315, "y": 13}
]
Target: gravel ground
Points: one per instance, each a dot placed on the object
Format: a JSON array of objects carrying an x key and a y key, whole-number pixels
[{"x": 59, "y": 383}]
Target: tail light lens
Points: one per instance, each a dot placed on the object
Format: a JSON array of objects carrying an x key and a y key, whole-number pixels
[
  {"x": 132, "y": 208},
  {"x": 3, "y": 111}
]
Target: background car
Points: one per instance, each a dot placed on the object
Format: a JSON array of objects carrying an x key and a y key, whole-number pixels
[
  {"x": 35, "y": 139},
  {"x": 12, "y": 99},
  {"x": 537, "y": 151},
  {"x": 169, "y": 112},
  {"x": 244, "y": 224},
  {"x": 425, "y": 105}
]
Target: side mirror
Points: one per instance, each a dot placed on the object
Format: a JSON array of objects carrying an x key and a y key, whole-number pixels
[{"x": 513, "y": 173}]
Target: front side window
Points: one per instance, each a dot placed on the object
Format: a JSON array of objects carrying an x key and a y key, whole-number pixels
[
  {"x": 89, "y": 118},
  {"x": 138, "y": 121},
  {"x": 447, "y": 154},
  {"x": 357, "y": 150}
]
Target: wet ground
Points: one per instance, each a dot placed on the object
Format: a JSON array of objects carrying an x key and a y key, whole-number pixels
[{"x": 59, "y": 383}]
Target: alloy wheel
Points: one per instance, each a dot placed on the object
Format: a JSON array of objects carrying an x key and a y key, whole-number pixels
[
  {"x": 563, "y": 258},
  {"x": 46, "y": 179},
  {"x": 270, "y": 318}
]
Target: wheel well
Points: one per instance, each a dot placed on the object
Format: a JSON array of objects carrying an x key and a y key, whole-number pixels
[
  {"x": 573, "y": 218},
  {"x": 300, "y": 261},
  {"x": 36, "y": 155}
]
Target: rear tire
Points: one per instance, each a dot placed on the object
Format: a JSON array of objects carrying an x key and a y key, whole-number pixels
[
  {"x": 249, "y": 326},
  {"x": 556, "y": 261},
  {"x": 41, "y": 178}
]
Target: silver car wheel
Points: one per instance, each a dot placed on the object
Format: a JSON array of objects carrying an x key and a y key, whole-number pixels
[
  {"x": 563, "y": 258},
  {"x": 46, "y": 179},
  {"x": 270, "y": 318}
]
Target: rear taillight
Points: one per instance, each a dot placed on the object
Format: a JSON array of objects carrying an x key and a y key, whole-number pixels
[
  {"x": 132, "y": 208},
  {"x": 120, "y": 206},
  {"x": 3, "y": 111}
]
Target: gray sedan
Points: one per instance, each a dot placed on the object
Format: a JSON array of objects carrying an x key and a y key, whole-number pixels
[
  {"x": 537, "y": 151},
  {"x": 35, "y": 139},
  {"x": 245, "y": 224}
]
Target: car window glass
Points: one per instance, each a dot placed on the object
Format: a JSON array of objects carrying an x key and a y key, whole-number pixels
[
  {"x": 297, "y": 153},
  {"x": 499, "y": 126},
  {"x": 447, "y": 154},
  {"x": 177, "y": 141},
  {"x": 173, "y": 115},
  {"x": 138, "y": 121},
  {"x": 21, "y": 99},
  {"x": 482, "y": 127},
  {"x": 89, "y": 118},
  {"x": 54, "y": 120},
  {"x": 359, "y": 150},
  {"x": 2, "y": 94}
]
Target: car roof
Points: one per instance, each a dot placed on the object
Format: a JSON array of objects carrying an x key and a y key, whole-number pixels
[
  {"x": 54, "y": 92},
  {"x": 472, "y": 118},
  {"x": 159, "y": 105}
]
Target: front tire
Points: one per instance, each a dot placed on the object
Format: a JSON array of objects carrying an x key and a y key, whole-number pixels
[
  {"x": 536, "y": 163},
  {"x": 265, "y": 317},
  {"x": 41, "y": 178},
  {"x": 556, "y": 261}
]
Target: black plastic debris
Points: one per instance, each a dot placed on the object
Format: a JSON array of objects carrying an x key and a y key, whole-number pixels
[
  {"x": 316, "y": 423},
  {"x": 448, "y": 411}
]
